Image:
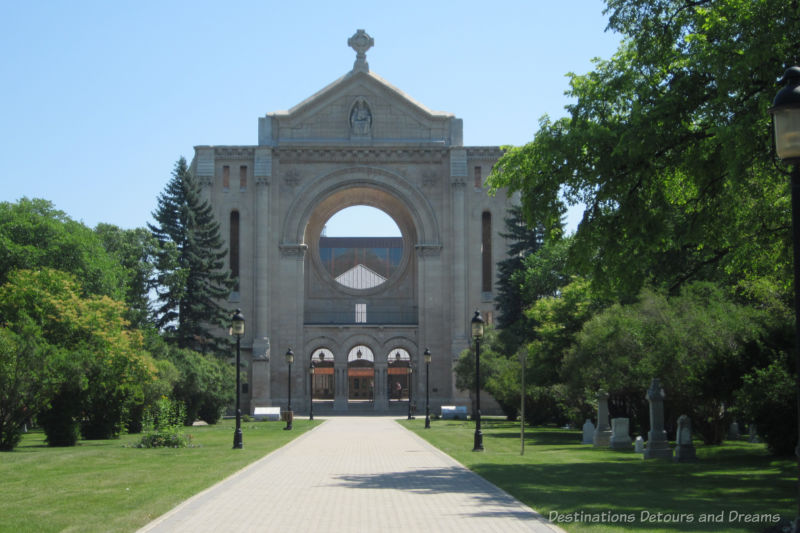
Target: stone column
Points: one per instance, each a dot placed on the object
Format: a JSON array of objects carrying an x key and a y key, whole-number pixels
[
  {"x": 260, "y": 373},
  {"x": 460, "y": 281},
  {"x": 380, "y": 401},
  {"x": 657, "y": 444},
  {"x": 602, "y": 435},
  {"x": 340, "y": 386}
]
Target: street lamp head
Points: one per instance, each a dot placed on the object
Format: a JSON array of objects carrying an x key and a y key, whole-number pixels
[
  {"x": 477, "y": 325},
  {"x": 397, "y": 356},
  {"x": 427, "y": 355},
  {"x": 237, "y": 323},
  {"x": 311, "y": 368},
  {"x": 359, "y": 354},
  {"x": 785, "y": 112},
  {"x": 289, "y": 356}
]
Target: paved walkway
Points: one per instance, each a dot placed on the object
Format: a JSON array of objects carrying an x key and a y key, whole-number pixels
[{"x": 353, "y": 475}]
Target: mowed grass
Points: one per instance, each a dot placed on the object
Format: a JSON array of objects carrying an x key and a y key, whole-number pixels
[
  {"x": 108, "y": 485},
  {"x": 557, "y": 474}
]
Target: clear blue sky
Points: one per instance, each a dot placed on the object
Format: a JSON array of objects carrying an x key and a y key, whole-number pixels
[{"x": 99, "y": 99}]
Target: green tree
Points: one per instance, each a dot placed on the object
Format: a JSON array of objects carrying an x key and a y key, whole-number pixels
[
  {"x": 93, "y": 364},
  {"x": 191, "y": 277},
  {"x": 134, "y": 250},
  {"x": 34, "y": 234},
  {"x": 667, "y": 146}
]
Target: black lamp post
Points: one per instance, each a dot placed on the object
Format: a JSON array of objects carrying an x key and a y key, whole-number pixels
[
  {"x": 289, "y": 414},
  {"x": 237, "y": 328},
  {"x": 427, "y": 356},
  {"x": 311, "y": 389},
  {"x": 786, "y": 119},
  {"x": 410, "y": 389},
  {"x": 477, "y": 334}
]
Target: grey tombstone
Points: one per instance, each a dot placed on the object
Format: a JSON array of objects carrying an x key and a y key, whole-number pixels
[
  {"x": 685, "y": 451},
  {"x": 588, "y": 432},
  {"x": 620, "y": 437},
  {"x": 657, "y": 444},
  {"x": 638, "y": 446},
  {"x": 602, "y": 435},
  {"x": 733, "y": 431},
  {"x": 753, "y": 431}
]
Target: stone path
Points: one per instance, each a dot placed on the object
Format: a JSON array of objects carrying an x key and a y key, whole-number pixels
[{"x": 353, "y": 474}]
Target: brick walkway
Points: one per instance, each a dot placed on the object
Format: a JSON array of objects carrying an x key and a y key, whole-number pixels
[{"x": 353, "y": 475}]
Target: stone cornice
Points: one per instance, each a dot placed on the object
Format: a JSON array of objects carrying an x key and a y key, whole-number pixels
[
  {"x": 361, "y": 155},
  {"x": 492, "y": 153},
  {"x": 234, "y": 152}
]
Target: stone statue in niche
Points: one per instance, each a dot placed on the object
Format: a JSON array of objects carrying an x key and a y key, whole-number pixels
[{"x": 360, "y": 119}]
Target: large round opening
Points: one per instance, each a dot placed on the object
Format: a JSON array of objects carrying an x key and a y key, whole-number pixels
[{"x": 361, "y": 247}]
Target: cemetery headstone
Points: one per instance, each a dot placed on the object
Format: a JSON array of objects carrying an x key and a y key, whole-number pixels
[
  {"x": 602, "y": 435},
  {"x": 657, "y": 444},
  {"x": 685, "y": 451},
  {"x": 638, "y": 446},
  {"x": 588, "y": 432},
  {"x": 620, "y": 437}
]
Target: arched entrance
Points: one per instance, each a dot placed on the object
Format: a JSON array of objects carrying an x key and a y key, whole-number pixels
[
  {"x": 399, "y": 375},
  {"x": 361, "y": 375},
  {"x": 323, "y": 384}
]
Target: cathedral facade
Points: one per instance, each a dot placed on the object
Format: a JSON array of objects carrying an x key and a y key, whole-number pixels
[{"x": 361, "y": 311}]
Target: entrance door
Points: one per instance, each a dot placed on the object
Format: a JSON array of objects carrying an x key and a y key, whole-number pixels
[
  {"x": 323, "y": 385},
  {"x": 399, "y": 375},
  {"x": 361, "y": 375}
]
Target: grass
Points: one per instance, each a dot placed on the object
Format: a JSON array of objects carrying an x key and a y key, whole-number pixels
[
  {"x": 107, "y": 485},
  {"x": 557, "y": 474}
]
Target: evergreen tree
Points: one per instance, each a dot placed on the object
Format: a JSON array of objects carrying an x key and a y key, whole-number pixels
[
  {"x": 191, "y": 278},
  {"x": 523, "y": 241}
]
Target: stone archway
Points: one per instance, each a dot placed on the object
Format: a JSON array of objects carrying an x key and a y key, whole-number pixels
[{"x": 361, "y": 375}]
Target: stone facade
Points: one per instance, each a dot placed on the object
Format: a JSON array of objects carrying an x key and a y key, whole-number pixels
[{"x": 358, "y": 141}]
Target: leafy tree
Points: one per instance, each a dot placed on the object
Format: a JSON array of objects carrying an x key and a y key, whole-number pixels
[
  {"x": 93, "y": 365},
  {"x": 667, "y": 145},
  {"x": 134, "y": 250},
  {"x": 191, "y": 277},
  {"x": 34, "y": 234}
]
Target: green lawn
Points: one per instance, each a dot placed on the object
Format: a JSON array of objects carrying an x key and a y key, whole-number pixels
[
  {"x": 109, "y": 486},
  {"x": 557, "y": 474}
]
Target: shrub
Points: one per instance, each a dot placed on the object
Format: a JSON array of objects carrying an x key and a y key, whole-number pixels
[{"x": 163, "y": 423}]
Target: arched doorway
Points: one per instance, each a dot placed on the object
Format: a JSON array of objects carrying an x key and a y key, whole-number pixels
[
  {"x": 323, "y": 384},
  {"x": 360, "y": 374},
  {"x": 399, "y": 375}
]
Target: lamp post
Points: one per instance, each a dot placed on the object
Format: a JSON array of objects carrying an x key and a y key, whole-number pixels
[
  {"x": 410, "y": 388},
  {"x": 311, "y": 389},
  {"x": 289, "y": 414},
  {"x": 427, "y": 356},
  {"x": 786, "y": 119},
  {"x": 477, "y": 334},
  {"x": 237, "y": 328}
]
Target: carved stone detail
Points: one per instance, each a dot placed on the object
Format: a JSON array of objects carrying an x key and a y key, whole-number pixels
[
  {"x": 361, "y": 42},
  {"x": 291, "y": 178},
  {"x": 428, "y": 250},
  {"x": 360, "y": 155},
  {"x": 293, "y": 249},
  {"x": 234, "y": 152}
]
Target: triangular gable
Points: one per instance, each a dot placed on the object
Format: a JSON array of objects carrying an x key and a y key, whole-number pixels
[{"x": 360, "y": 277}]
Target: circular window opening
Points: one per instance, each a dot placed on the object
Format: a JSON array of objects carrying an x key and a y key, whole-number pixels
[{"x": 361, "y": 247}]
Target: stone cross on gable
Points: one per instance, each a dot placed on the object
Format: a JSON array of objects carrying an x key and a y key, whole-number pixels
[{"x": 361, "y": 42}]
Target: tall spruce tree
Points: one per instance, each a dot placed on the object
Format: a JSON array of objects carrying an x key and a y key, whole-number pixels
[
  {"x": 523, "y": 241},
  {"x": 191, "y": 278}
]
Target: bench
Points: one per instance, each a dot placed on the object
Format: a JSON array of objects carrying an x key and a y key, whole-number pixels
[
  {"x": 267, "y": 413},
  {"x": 454, "y": 412}
]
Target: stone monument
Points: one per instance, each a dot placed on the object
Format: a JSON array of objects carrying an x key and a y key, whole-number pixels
[
  {"x": 685, "y": 451},
  {"x": 638, "y": 446},
  {"x": 602, "y": 435},
  {"x": 620, "y": 437},
  {"x": 657, "y": 444},
  {"x": 733, "y": 431}
]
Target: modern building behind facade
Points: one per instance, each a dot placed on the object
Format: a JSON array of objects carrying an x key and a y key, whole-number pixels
[{"x": 364, "y": 310}]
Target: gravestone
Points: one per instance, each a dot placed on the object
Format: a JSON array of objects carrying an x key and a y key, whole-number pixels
[
  {"x": 753, "y": 433},
  {"x": 657, "y": 444},
  {"x": 602, "y": 435},
  {"x": 733, "y": 431},
  {"x": 638, "y": 446},
  {"x": 620, "y": 437},
  {"x": 685, "y": 451},
  {"x": 588, "y": 432}
]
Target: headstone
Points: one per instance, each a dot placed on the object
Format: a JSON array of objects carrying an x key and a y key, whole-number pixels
[
  {"x": 620, "y": 437},
  {"x": 685, "y": 451},
  {"x": 733, "y": 431},
  {"x": 753, "y": 433},
  {"x": 602, "y": 435},
  {"x": 588, "y": 432},
  {"x": 638, "y": 446},
  {"x": 657, "y": 444}
]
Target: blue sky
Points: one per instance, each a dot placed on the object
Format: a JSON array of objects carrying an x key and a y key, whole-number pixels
[{"x": 99, "y": 99}]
